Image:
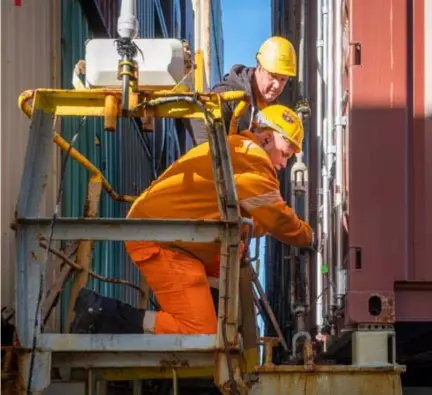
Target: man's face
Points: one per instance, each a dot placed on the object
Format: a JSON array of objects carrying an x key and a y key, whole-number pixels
[
  {"x": 270, "y": 85},
  {"x": 278, "y": 148}
]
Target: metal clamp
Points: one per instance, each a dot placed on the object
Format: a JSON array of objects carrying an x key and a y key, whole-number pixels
[{"x": 307, "y": 346}]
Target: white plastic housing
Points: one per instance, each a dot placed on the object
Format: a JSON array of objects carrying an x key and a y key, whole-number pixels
[
  {"x": 127, "y": 24},
  {"x": 160, "y": 65}
]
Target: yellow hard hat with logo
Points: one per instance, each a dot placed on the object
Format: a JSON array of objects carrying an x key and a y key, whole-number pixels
[
  {"x": 277, "y": 55},
  {"x": 284, "y": 121}
]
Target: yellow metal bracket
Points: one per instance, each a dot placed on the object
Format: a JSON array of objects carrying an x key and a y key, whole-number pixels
[
  {"x": 239, "y": 110},
  {"x": 107, "y": 103}
]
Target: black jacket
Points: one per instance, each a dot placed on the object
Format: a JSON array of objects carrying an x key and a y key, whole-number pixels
[{"x": 239, "y": 78}]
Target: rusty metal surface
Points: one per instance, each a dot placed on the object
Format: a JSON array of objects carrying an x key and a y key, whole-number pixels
[
  {"x": 329, "y": 380},
  {"x": 108, "y": 13},
  {"x": 29, "y": 60},
  {"x": 58, "y": 286}
]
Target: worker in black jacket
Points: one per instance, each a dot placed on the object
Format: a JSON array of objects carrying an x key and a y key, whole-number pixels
[{"x": 264, "y": 83}]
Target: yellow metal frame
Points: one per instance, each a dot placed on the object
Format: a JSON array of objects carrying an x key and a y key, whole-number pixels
[
  {"x": 106, "y": 103},
  {"x": 239, "y": 110}
]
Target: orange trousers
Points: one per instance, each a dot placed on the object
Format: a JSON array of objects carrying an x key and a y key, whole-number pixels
[{"x": 181, "y": 287}]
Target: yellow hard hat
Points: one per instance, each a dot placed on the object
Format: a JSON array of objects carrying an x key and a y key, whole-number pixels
[
  {"x": 284, "y": 121},
  {"x": 277, "y": 55}
]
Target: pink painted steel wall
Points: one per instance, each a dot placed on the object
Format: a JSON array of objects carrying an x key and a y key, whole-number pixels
[{"x": 390, "y": 161}]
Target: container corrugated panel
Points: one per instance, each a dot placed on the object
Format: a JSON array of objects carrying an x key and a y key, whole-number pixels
[
  {"x": 137, "y": 173},
  {"x": 388, "y": 168},
  {"x": 109, "y": 13},
  {"x": 280, "y": 16},
  {"x": 170, "y": 139},
  {"x": 29, "y": 52},
  {"x": 99, "y": 147},
  {"x": 136, "y": 159},
  {"x": 146, "y": 18},
  {"x": 168, "y": 9},
  {"x": 187, "y": 33},
  {"x": 390, "y": 193},
  {"x": 216, "y": 32},
  {"x": 187, "y": 22}
]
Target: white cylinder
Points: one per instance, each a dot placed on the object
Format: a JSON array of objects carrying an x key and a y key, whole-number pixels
[
  {"x": 127, "y": 23},
  {"x": 197, "y": 24},
  {"x": 319, "y": 123}
]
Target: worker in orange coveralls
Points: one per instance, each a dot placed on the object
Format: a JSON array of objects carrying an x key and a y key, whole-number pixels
[{"x": 176, "y": 272}]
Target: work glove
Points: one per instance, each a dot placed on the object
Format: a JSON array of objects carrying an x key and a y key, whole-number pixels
[
  {"x": 312, "y": 247},
  {"x": 303, "y": 107}
]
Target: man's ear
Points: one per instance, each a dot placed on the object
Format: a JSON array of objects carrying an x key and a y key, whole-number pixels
[{"x": 268, "y": 137}]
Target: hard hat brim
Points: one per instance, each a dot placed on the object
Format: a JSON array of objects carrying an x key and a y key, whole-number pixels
[{"x": 285, "y": 71}]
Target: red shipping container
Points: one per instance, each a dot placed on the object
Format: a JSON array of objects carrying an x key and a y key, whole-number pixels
[{"x": 390, "y": 161}]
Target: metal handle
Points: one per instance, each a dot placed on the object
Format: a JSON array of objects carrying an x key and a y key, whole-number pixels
[
  {"x": 23, "y": 102},
  {"x": 237, "y": 113}
]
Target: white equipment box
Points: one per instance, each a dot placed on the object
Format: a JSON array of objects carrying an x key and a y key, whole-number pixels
[{"x": 160, "y": 63}]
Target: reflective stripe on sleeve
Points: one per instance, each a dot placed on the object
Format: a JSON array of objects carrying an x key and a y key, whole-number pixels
[{"x": 260, "y": 200}]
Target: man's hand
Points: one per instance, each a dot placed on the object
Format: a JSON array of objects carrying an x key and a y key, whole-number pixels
[
  {"x": 303, "y": 107},
  {"x": 312, "y": 247}
]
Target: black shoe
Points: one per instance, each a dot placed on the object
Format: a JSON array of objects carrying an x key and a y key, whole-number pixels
[
  {"x": 215, "y": 297},
  {"x": 98, "y": 314}
]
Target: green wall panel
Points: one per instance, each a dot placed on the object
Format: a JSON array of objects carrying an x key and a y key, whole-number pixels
[
  {"x": 128, "y": 158},
  {"x": 99, "y": 147}
]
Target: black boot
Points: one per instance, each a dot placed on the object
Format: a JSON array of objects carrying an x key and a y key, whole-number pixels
[
  {"x": 98, "y": 314},
  {"x": 215, "y": 296}
]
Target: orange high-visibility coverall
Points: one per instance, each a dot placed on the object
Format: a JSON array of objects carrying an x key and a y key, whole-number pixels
[{"x": 176, "y": 272}]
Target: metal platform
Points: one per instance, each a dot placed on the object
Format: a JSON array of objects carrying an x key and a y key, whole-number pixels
[
  {"x": 329, "y": 380},
  {"x": 219, "y": 353},
  {"x": 129, "y": 351}
]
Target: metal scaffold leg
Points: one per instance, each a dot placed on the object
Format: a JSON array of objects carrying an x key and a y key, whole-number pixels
[
  {"x": 40, "y": 372},
  {"x": 34, "y": 368}
]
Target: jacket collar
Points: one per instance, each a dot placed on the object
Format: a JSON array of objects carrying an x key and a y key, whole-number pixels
[{"x": 250, "y": 135}]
